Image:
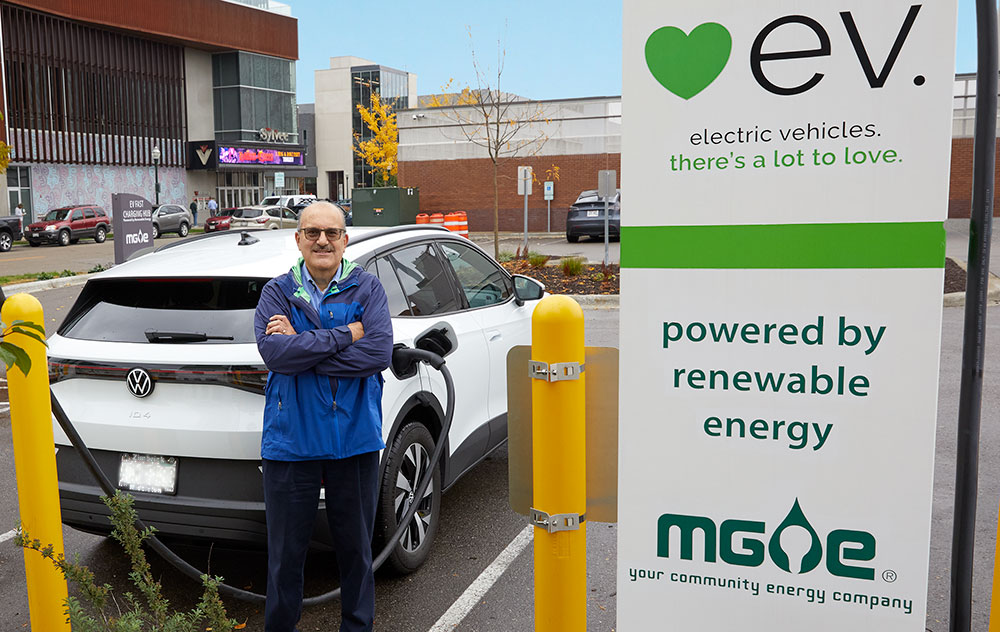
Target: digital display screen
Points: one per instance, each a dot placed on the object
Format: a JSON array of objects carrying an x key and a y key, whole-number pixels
[{"x": 253, "y": 156}]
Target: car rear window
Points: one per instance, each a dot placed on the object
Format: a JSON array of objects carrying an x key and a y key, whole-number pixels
[
  {"x": 247, "y": 213},
  {"x": 123, "y": 310}
]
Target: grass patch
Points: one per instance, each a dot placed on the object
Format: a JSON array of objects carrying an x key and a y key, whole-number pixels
[
  {"x": 36, "y": 276},
  {"x": 571, "y": 266},
  {"x": 536, "y": 260}
]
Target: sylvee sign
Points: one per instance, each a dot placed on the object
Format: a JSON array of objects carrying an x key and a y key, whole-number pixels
[{"x": 787, "y": 165}]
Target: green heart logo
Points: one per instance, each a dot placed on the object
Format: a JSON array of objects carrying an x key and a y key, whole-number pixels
[{"x": 687, "y": 64}]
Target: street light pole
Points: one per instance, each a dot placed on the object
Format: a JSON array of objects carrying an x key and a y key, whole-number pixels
[{"x": 156, "y": 171}]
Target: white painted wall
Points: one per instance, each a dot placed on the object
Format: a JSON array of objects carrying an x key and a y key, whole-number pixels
[
  {"x": 334, "y": 140},
  {"x": 570, "y": 126}
]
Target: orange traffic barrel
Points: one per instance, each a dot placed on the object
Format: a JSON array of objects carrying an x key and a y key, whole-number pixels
[
  {"x": 437, "y": 219},
  {"x": 423, "y": 218},
  {"x": 457, "y": 222}
]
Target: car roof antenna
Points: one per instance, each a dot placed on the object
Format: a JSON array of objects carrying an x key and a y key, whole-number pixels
[{"x": 246, "y": 239}]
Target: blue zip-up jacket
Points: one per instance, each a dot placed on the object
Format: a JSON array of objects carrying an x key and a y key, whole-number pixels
[{"x": 323, "y": 398}]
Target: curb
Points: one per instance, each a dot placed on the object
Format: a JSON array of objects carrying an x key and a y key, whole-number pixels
[
  {"x": 957, "y": 299},
  {"x": 49, "y": 284},
  {"x": 596, "y": 301}
]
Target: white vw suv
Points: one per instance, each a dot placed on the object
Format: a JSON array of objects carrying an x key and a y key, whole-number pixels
[{"x": 157, "y": 368}]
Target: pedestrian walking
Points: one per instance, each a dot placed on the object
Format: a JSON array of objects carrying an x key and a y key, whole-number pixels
[
  {"x": 325, "y": 334},
  {"x": 212, "y": 206},
  {"x": 194, "y": 212},
  {"x": 19, "y": 212}
]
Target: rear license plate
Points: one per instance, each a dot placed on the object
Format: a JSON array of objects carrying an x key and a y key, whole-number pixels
[
  {"x": 34, "y": 234},
  {"x": 593, "y": 213},
  {"x": 145, "y": 473}
]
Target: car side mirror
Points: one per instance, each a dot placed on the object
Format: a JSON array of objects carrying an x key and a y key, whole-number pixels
[{"x": 527, "y": 289}]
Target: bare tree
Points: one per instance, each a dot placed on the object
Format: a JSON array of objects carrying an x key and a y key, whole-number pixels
[{"x": 505, "y": 125}]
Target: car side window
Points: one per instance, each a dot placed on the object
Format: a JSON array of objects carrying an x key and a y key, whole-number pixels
[
  {"x": 88, "y": 213},
  {"x": 273, "y": 212},
  {"x": 77, "y": 215},
  {"x": 482, "y": 281},
  {"x": 100, "y": 212},
  {"x": 287, "y": 214},
  {"x": 398, "y": 305},
  {"x": 425, "y": 280}
]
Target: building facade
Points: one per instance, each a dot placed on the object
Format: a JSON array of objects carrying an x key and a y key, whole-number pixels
[
  {"x": 441, "y": 151},
  {"x": 113, "y": 97},
  {"x": 347, "y": 83}
]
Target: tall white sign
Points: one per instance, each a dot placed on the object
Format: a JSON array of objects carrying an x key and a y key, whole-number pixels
[{"x": 786, "y": 164}]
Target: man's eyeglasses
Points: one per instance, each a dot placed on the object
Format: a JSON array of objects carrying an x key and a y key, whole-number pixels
[{"x": 332, "y": 234}]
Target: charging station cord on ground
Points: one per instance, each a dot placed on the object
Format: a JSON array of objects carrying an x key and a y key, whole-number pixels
[{"x": 413, "y": 355}]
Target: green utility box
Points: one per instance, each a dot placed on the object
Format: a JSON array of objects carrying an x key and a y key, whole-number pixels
[{"x": 385, "y": 206}]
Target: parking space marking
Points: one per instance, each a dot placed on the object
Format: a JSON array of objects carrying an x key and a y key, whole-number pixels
[
  {"x": 21, "y": 258},
  {"x": 468, "y": 600},
  {"x": 7, "y": 536},
  {"x": 4, "y": 408}
]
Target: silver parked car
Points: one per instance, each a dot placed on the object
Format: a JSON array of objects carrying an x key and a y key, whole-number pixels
[
  {"x": 171, "y": 218},
  {"x": 271, "y": 217}
]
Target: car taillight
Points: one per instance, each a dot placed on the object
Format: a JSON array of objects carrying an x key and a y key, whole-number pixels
[
  {"x": 261, "y": 220},
  {"x": 246, "y": 378}
]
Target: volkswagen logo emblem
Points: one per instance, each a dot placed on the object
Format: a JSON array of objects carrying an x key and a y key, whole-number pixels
[{"x": 139, "y": 383}]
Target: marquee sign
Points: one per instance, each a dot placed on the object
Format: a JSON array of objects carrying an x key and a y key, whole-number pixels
[{"x": 234, "y": 155}]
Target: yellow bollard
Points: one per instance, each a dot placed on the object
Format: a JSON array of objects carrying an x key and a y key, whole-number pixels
[
  {"x": 559, "y": 465},
  {"x": 35, "y": 461},
  {"x": 994, "y": 624}
]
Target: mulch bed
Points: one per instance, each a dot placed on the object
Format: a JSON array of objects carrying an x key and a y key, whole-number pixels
[
  {"x": 954, "y": 277},
  {"x": 594, "y": 280}
]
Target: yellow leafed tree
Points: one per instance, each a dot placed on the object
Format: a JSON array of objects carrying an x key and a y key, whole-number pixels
[{"x": 381, "y": 149}]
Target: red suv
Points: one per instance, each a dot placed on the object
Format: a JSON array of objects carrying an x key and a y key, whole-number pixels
[{"x": 67, "y": 225}]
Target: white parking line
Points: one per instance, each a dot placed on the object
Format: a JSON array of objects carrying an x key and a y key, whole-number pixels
[
  {"x": 7, "y": 536},
  {"x": 4, "y": 408},
  {"x": 464, "y": 604}
]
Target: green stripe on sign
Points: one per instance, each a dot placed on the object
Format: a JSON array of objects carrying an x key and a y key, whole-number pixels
[{"x": 875, "y": 245}]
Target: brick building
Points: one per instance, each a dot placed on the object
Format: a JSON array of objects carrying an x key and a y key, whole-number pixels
[
  {"x": 582, "y": 136},
  {"x": 579, "y": 136}
]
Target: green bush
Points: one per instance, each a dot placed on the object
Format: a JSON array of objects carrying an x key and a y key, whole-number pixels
[
  {"x": 98, "y": 268},
  {"x": 505, "y": 256},
  {"x": 45, "y": 276},
  {"x": 571, "y": 266},
  {"x": 101, "y": 612}
]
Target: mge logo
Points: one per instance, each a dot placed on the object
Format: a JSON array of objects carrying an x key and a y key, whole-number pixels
[
  {"x": 687, "y": 64},
  {"x": 842, "y": 545}
]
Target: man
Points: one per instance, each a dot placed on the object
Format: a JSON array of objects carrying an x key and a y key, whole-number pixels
[
  {"x": 194, "y": 212},
  {"x": 213, "y": 206},
  {"x": 324, "y": 331}
]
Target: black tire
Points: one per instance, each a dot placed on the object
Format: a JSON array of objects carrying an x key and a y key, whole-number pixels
[
  {"x": 64, "y": 238},
  {"x": 6, "y": 241},
  {"x": 100, "y": 235},
  {"x": 182, "y": 230},
  {"x": 406, "y": 462},
  {"x": 572, "y": 238},
  {"x": 156, "y": 231}
]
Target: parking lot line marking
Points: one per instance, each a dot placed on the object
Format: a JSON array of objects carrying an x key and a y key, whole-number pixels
[
  {"x": 22, "y": 258},
  {"x": 468, "y": 600},
  {"x": 4, "y": 408},
  {"x": 7, "y": 536}
]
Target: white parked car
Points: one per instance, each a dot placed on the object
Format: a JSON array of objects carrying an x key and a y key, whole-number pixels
[
  {"x": 271, "y": 217},
  {"x": 157, "y": 367}
]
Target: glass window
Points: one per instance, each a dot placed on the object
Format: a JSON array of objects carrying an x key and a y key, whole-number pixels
[
  {"x": 483, "y": 282},
  {"x": 398, "y": 305},
  {"x": 88, "y": 213},
  {"x": 77, "y": 215},
  {"x": 273, "y": 212},
  {"x": 287, "y": 214},
  {"x": 123, "y": 310},
  {"x": 425, "y": 281}
]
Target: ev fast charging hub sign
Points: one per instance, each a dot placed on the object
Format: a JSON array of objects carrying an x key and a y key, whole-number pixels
[{"x": 783, "y": 254}]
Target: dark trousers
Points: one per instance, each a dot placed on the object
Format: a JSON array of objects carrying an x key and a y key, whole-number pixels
[{"x": 291, "y": 496}]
